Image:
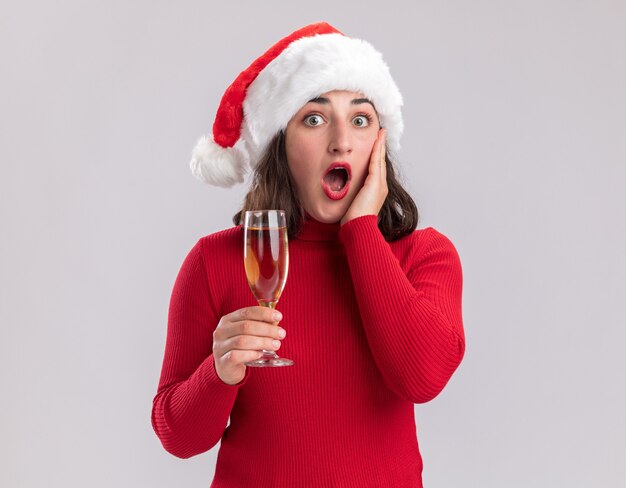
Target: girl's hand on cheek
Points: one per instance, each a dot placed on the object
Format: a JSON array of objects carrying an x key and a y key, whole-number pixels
[{"x": 371, "y": 197}]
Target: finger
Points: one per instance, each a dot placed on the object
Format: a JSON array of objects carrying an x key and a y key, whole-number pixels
[
  {"x": 249, "y": 343},
  {"x": 242, "y": 322},
  {"x": 236, "y": 357},
  {"x": 250, "y": 328},
  {"x": 259, "y": 314},
  {"x": 246, "y": 343},
  {"x": 374, "y": 165},
  {"x": 383, "y": 154}
]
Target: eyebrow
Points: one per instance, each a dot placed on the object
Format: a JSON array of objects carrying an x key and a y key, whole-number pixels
[{"x": 355, "y": 101}]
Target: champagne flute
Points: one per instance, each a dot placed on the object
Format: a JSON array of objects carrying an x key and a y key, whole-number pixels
[{"x": 266, "y": 259}]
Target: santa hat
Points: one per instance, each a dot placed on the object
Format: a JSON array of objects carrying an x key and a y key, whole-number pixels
[{"x": 265, "y": 96}]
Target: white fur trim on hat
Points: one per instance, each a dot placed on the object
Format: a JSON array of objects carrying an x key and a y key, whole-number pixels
[{"x": 217, "y": 165}]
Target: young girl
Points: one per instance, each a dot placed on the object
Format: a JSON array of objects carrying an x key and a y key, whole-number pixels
[{"x": 371, "y": 310}]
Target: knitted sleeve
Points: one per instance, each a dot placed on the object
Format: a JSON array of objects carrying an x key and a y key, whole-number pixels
[
  {"x": 192, "y": 404},
  {"x": 412, "y": 320}
]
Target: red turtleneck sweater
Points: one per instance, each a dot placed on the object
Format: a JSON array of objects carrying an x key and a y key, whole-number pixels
[{"x": 372, "y": 327}]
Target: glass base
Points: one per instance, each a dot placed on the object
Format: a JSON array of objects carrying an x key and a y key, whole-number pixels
[{"x": 269, "y": 360}]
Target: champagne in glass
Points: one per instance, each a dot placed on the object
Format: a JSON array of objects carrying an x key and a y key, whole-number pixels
[{"x": 266, "y": 259}]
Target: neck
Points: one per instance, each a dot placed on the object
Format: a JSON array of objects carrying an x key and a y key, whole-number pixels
[{"x": 314, "y": 230}]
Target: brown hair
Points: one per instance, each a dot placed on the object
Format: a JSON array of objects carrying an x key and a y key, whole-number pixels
[{"x": 273, "y": 187}]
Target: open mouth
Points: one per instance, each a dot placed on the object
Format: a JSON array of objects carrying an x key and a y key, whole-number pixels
[{"x": 336, "y": 181}]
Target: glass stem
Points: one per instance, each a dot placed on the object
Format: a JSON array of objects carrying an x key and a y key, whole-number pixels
[{"x": 269, "y": 304}]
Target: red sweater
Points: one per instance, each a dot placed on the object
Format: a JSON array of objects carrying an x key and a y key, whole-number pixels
[{"x": 372, "y": 327}]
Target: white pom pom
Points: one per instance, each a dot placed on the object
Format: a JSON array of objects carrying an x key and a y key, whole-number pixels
[{"x": 217, "y": 165}]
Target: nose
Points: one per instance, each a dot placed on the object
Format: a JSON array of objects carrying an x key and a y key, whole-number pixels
[{"x": 340, "y": 139}]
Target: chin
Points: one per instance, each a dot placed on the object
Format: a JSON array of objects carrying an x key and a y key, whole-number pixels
[{"x": 327, "y": 215}]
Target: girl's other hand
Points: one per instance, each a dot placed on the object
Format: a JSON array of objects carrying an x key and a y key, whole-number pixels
[
  {"x": 371, "y": 197},
  {"x": 241, "y": 336}
]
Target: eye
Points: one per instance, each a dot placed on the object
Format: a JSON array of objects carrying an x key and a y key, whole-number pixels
[
  {"x": 362, "y": 120},
  {"x": 313, "y": 120}
]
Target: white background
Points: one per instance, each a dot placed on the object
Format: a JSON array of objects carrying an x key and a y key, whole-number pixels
[{"x": 515, "y": 148}]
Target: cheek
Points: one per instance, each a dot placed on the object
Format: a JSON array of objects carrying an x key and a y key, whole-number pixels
[
  {"x": 361, "y": 162},
  {"x": 297, "y": 173},
  {"x": 302, "y": 154},
  {"x": 366, "y": 143},
  {"x": 299, "y": 168}
]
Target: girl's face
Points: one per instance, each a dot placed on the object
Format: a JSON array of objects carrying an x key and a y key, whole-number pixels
[{"x": 328, "y": 144}]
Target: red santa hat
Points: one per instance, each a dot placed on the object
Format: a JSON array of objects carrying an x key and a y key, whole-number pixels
[{"x": 265, "y": 96}]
